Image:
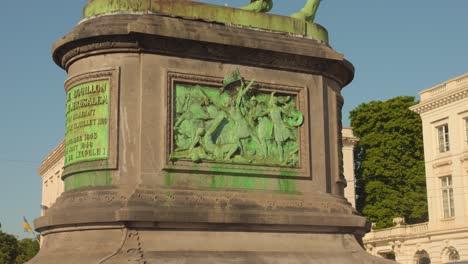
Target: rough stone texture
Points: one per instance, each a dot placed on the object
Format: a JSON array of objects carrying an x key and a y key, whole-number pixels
[
  {"x": 106, "y": 244},
  {"x": 154, "y": 210}
]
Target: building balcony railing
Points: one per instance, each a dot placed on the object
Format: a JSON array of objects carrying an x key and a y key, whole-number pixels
[{"x": 398, "y": 231}]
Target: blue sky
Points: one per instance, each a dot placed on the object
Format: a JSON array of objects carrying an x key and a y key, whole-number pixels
[{"x": 398, "y": 47}]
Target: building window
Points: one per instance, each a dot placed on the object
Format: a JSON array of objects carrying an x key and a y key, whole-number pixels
[
  {"x": 388, "y": 255},
  {"x": 447, "y": 197},
  {"x": 422, "y": 257},
  {"x": 454, "y": 256},
  {"x": 466, "y": 130},
  {"x": 443, "y": 136}
]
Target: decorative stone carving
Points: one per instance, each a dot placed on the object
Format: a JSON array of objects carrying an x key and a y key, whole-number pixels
[
  {"x": 440, "y": 101},
  {"x": 130, "y": 251},
  {"x": 399, "y": 221},
  {"x": 235, "y": 124}
]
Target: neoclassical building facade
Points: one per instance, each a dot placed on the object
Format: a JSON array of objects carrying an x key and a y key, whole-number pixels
[
  {"x": 444, "y": 239},
  {"x": 349, "y": 142},
  {"x": 51, "y": 173}
]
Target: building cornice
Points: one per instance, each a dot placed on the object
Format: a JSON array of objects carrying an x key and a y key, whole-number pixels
[
  {"x": 52, "y": 159},
  {"x": 442, "y": 164},
  {"x": 464, "y": 157},
  {"x": 348, "y": 138},
  {"x": 440, "y": 101},
  {"x": 350, "y": 141}
]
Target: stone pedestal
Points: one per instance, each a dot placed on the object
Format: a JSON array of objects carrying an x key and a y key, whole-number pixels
[{"x": 134, "y": 194}]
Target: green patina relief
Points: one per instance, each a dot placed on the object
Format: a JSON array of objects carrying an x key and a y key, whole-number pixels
[
  {"x": 251, "y": 15},
  {"x": 87, "y": 122},
  {"x": 235, "y": 124},
  {"x": 94, "y": 7},
  {"x": 259, "y": 5},
  {"x": 307, "y": 13}
]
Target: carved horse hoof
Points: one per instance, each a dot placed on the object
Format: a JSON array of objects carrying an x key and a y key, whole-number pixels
[
  {"x": 259, "y": 5},
  {"x": 308, "y": 12}
]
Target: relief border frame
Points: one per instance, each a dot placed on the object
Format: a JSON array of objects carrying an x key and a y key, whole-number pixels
[
  {"x": 303, "y": 171},
  {"x": 111, "y": 162}
]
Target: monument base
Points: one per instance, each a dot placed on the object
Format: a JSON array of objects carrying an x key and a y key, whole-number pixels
[
  {"x": 114, "y": 244},
  {"x": 148, "y": 176}
]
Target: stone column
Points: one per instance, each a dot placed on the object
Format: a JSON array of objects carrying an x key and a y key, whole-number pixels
[{"x": 200, "y": 134}]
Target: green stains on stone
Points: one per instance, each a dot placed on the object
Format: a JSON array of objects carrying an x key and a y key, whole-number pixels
[
  {"x": 169, "y": 179},
  {"x": 109, "y": 6},
  {"x": 226, "y": 15},
  {"x": 222, "y": 178},
  {"x": 287, "y": 185},
  {"x": 88, "y": 179},
  {"x": 243, "y": 183},
  {"x": 235, "y": 124},
  {"x": 237, "y": 182}
]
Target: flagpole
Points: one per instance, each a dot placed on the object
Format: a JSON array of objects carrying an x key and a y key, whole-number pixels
[
  {"x": 37, "y": 239},
  {"x": 27, "y": 227}
]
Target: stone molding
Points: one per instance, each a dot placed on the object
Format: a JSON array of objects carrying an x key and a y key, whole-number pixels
[
  {"x": 350, "y": 141},
  {"x": 155, "y": 34},
  {"x": 52, "y": 159},
  {"x": 442, "y": 164},
  {"x": 266, "y": 210},
  {"x": 464, "y": 158},
  {"x": 348, "y": 138},
  {"x": 442, "y": 88},
  {"x": 455, "y": 96}
]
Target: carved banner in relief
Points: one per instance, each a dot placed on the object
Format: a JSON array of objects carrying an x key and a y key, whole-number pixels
[
  {"x": 87, "y": 122},
  {"x": 235, "y": 124}
]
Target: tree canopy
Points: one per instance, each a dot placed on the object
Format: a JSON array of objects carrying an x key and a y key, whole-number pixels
[
  {"x": 8, "y": 248},
  {"x": 13, "y": 251},
  {"x": 27, "y": 249},
  {"x": 389, "y": 161}
]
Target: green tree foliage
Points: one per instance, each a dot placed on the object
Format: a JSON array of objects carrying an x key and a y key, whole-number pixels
[
  {"x": 389, "y": 161},
  {"x": 13, "y": 251},
  {"x": 27, "y": 249},
  {"x": 8, "y": 248}
]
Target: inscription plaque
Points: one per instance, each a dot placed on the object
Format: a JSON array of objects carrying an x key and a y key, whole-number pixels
[{"x": 87, "y": 122}]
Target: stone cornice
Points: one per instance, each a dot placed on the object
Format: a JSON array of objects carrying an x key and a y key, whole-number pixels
[
  {"x": 155, "y": 34},
  {"x": 350, "y": 141},
  {"x": 441, "y": 101},
  {"x": 442, "y": 164},
  {"x": 348, "y": 138},
  {"x": 52, "y": 158},
  {"x": 464, "y": 157}
]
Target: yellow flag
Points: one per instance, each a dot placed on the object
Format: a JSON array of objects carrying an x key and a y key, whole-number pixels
[{"x": 27, "y": 227}]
